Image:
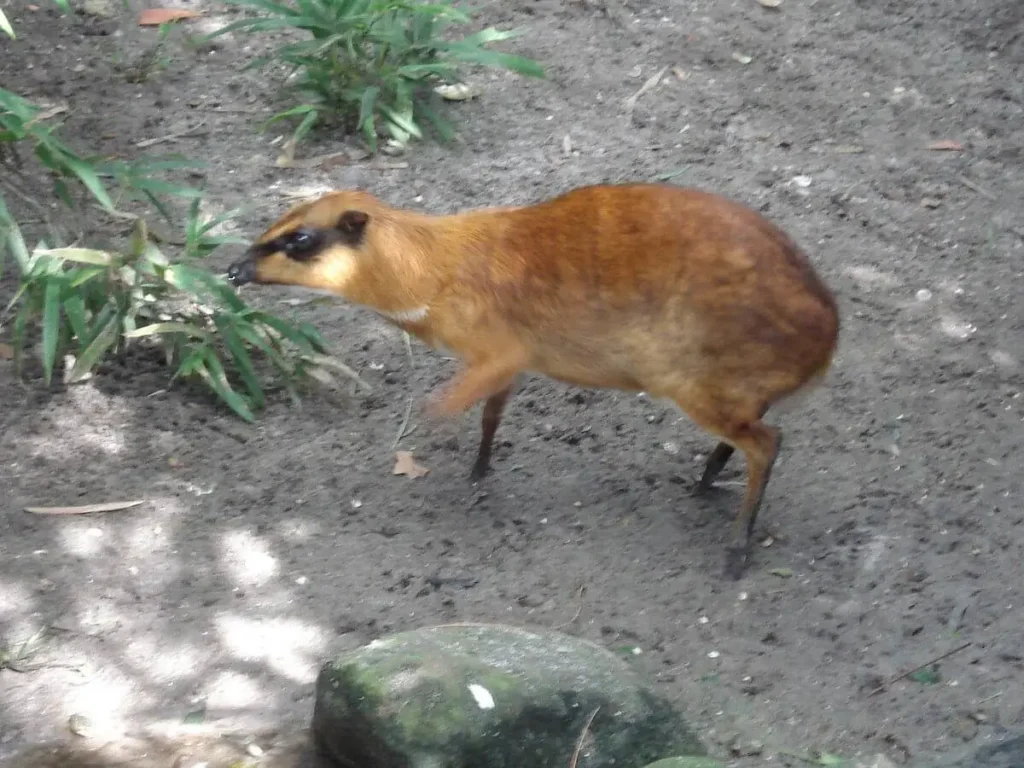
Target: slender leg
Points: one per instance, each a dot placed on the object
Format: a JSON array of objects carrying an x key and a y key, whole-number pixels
[
  {"x": 738, "y": 425},
  {"x": 716, "y": 463},
  {"x": 480, "y": 380},
  {"x": 493, "y": 407},
  {"x": 760, "y": 444}
]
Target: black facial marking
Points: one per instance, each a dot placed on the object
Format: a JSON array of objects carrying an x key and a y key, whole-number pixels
[
  {"x": 352, "y": 226},
  {"x": 302, "y": 244}
]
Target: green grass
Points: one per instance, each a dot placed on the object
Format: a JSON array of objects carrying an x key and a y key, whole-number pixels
[
  {"x": 372, "y": 65},
  {"x": 80, "y": 306}
]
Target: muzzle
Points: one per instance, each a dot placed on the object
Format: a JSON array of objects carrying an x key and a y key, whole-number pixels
[{"x": 242, "y": 271}]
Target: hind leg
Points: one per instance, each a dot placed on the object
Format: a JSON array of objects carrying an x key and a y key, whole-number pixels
[
  {"x": 760, "y": 444},
  {"x": 716, "y": 463},
  {"x": 739, "y": 426}
]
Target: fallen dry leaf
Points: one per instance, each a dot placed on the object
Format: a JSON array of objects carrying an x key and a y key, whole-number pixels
[
  {"x": 84, "y": 509},
  {"x": 458, "y": 91},
  {"x": 648, "y": 85},
  {"x": 945, "y": 145},
  {"x": 406, "y": 465},
  {"x": 154, "y": 17},
  {"x": 287, "y": 157},
  {"x": 6, "y": 352}
]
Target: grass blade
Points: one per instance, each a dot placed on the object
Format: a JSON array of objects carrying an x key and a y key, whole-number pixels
[
  {"x": 91, "y": 180},
  {"x": 5, "y": 25},
  {"x": 155, "y": 329},
  {"x": 51, "y": 326},
  {"x": 212, "y": 372},
  {"x": 93, "y": 353}
]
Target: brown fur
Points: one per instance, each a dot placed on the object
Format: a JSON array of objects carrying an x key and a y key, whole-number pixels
[{"x": 642, "y": 287}]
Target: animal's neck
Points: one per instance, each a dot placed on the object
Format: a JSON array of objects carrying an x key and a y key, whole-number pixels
[{"x": 418, "y": 256}]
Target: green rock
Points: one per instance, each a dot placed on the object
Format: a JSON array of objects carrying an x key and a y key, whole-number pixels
[
  {"x": 686, "y": 762},
  {"x": 472, "y": 695}
]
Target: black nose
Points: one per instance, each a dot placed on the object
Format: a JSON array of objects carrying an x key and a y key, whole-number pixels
[{"x": 241, "y": 272}]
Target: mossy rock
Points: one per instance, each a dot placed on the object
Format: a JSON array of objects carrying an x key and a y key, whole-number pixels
[
  {"x": 1006, "y": 754},
  {"x": 471, "y": 695}
]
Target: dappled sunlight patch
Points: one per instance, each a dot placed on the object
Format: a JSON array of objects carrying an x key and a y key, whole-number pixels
[
  {"x": 96, "y": 614},
  {"x": 247, "y": 559},
  {"x": 106, "y": 702},
  {"x": 956, "y": 327},
  {"x": 868, "y": 277},
  {"x": 290, "y": 647},
  {"x": 298, "y": 530},
  {"x": 153, "y": 533},
  {"x": 14, "y": 599},
  {"x": 163, "y": 660},
  {"x": 81, "y": 538},
  {"x": 233, "y": 690}
]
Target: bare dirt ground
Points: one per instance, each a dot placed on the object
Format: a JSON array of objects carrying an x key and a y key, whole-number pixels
[{"x": 897, "y": 503}]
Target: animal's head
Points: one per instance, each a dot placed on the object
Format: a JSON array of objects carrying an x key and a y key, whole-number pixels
[{"x": 316, "y": 244}]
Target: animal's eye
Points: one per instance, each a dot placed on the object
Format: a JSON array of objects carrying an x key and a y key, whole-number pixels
[{"x": 300, "y": 243}]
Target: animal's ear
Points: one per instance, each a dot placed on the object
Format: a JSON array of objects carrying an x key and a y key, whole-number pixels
[{"x": 352, "y": 226}]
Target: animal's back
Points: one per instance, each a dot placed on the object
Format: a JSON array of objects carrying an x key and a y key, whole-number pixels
[{"x": 638, "y": 286}]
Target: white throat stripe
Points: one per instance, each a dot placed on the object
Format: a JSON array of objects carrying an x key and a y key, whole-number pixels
[{"x": 406, "y": 315}]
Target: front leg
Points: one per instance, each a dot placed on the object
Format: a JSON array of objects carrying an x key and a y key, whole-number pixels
[
  {"x": 480, "y": 379},
  {"x": 491, "y": 418}
]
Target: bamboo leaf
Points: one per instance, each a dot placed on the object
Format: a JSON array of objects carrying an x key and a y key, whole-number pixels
[{"x": 51, "y": 326}]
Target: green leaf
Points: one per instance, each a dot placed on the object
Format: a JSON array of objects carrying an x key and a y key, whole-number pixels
[
  {"x": 212, "y": 372},
  {"x": 495, "y": 59},
  {"x": 830, "y": 760},
  {"x": 51, "y": 326},
  {"x": 92, "y": 182},
  {"x": 190, "y": 364},
  {"x": 5, "y": 25},
  {"x": 155, "y": 329},
  {"x": 305, "y": 126},
  {"x": 242, "y": 359},
  {"x": 79, "y": 255},
  {"x": 927, "y": 676},
  {"x": 443, "y": 127},
  {"x": 74, "y": 310},
  {"x": 103, "y": 338},
  {"x": 366, "y": 105},
  {"x": 286, "y": 329}
]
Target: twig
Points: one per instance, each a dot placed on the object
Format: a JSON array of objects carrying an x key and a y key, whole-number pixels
[
  {"x": 405, "y": 423},
  {"x": 582, "y": 738},
  {"x": 171, "y": 136},
  {"x": 799, "y": 756},
  {"x": 990, "y": 698},
  {"x": 919, "y": 667},
  {"x": 579, "y": 609},
  {"x": 648, "y": 85},
  {"x": 971, "y": 185},
  {"x": 408, "y": 348}
]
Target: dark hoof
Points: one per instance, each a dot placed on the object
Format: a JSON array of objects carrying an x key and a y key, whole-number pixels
[
  {"x": 737, "y": 558},
  {"x": 701, "y": 488},
  {"x": 479, "y": 472}
]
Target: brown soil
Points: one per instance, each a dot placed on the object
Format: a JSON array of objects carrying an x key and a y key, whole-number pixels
[{"x": 896, "y": 504}]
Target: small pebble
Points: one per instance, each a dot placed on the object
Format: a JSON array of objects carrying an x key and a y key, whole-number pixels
[{"x": 714, "y": 655}]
